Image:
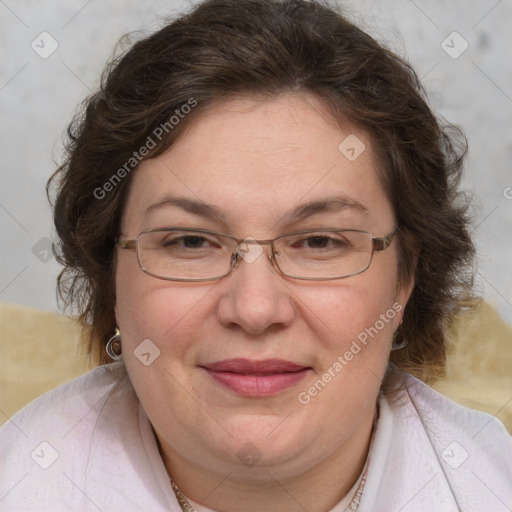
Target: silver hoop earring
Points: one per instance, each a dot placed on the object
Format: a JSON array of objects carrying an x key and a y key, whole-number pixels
[
  {"x": 113, "y": 348},
  {"x": 399, "y": 346}
]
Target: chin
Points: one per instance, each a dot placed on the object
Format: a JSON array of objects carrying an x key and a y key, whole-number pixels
[{"x": 259, "y": 441}]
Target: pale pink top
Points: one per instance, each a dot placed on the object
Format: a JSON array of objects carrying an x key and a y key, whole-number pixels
[{"x": 88, "y": 445}]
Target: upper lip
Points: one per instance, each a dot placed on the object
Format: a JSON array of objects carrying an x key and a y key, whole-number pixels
[{"x": 246, "y": 366}]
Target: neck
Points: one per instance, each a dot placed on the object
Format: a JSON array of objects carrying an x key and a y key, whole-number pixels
[{"x": 268, "y": 488}]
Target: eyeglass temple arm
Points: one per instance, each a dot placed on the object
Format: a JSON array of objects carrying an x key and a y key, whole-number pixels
[
  {"x": 380, "y": 244},
  {"x": 131, "y": 245}
]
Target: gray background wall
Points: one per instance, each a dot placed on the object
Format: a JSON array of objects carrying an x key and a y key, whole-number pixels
[{"x": 38, "y": 96}]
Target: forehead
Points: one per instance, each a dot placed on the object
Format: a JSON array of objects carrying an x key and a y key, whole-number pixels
[{"x": 254, "y": 160}]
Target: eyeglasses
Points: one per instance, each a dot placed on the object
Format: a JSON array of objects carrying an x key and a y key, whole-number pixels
[{"x": 200, "y": 255}]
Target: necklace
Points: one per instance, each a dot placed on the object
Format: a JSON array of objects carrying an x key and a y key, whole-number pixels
[{"x": 184, "y": 503}]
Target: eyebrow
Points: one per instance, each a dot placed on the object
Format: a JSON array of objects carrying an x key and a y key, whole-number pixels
[
  {"x": 189, "y": 205},
  {"x": 323, "y": 205},
  {"x": 301, "y": 212}
]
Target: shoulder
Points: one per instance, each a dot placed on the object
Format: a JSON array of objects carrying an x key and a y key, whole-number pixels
[
  {"x": 439, "y": 413},
  {"x": 473, "y": 448},
  {"x": 430, "y": 453},
  {"x": 63, "y": 404},
  {"x": 47, "y": 445}
]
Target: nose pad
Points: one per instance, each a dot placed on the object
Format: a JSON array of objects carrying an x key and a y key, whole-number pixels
[
  {"x": 250, "y": 250},
  {"x": 235, "y": 259}
]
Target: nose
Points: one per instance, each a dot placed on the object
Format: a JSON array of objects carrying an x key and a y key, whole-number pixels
[{"x": 255, "y": 297}]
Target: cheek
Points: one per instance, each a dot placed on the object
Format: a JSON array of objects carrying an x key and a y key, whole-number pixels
[
  {"x": 159, "y": 324},
  {"x": 358, "y": 317},
  {"x": 360, "y": 322},
  {"x": 149, "y": 308},
  {"x": 360, "y": 309}
]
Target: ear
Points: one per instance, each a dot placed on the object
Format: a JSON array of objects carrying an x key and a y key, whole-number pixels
[
  {"x": 404, "y": 290},
  {"x": 402, "y": 296}
]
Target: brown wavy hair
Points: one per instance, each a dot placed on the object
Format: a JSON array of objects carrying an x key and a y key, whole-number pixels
[{"x": 225, "y": 48}]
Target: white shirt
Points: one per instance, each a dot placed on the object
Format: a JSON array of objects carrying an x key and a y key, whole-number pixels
[{"x": 88, "y": 445}]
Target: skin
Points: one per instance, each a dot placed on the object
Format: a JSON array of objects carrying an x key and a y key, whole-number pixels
[{"x": 256, "y": 160}]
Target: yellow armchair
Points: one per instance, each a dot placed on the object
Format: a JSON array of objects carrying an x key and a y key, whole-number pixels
[{"x": 39, "y": 350}]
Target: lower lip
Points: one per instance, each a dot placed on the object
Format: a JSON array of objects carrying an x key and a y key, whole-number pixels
[{"x": 258, "y": 385}]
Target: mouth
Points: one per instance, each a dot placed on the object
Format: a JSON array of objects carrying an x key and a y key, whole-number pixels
[{"x": 256, "y": 378}]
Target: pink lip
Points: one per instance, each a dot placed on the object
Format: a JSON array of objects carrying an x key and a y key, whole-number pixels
[{"x": 256, "y": 378}]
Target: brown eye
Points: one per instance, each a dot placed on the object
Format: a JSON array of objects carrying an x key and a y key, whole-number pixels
[
  {"x": 186, "y": 242},
  {"x": 319, "y": 242}
]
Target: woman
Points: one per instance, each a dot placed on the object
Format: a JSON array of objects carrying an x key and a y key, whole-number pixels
[{"x": 259, "y": 221}]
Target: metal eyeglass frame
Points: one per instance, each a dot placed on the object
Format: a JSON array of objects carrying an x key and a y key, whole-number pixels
[{"x": 379, "y": 244}]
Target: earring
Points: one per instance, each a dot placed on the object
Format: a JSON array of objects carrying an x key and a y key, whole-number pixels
[
  {"x": 402, "y": 344},
  {"x": 113, "y": 347},
  {"x": 399, "y": 346}
]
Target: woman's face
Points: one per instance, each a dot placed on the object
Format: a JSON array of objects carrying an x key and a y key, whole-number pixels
[{"x": 255, "y": 162}]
